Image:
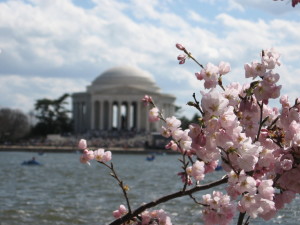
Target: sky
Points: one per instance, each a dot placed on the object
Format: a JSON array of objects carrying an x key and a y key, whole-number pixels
[{"x": 52, "y": 47}]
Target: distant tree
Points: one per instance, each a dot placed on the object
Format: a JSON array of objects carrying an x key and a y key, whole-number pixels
[
  {"x": 52, "y": 116},
  {"x": 14, "y": 125},
  {"x": 185, "y": 122}
]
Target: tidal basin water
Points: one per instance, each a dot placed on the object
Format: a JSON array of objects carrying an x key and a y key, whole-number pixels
[{"x": 63, "y": 191}]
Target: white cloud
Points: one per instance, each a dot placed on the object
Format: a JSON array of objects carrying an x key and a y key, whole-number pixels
[
  {"x": 22, "y": 92},
  {"x": 233, "y": 5},
  {"x": 63, "y": 43},
  {"x": 274, "y": 7},
  {"x": 196, "y": 17}
]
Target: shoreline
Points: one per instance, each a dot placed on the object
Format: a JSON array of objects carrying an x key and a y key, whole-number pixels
[{"x": 71, "y": 149}]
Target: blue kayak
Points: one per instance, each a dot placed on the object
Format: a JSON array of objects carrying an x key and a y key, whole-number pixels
[
  {"x": 31, "y": 163},
  {"x": 150, "y": 157}
]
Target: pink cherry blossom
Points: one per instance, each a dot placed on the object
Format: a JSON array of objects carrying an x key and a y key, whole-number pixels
[
  {"x": 180, "y": 47},
  {"x": 295, "y": 2},
  {"x": 102, "y": 156},
  {"x": 270, "y": 58},
  {"x": 254, "y": 69},
  {"x": 233, "y": 92},
  {"x": 197, "y": 170},
  {"x": 173, "y": 123},
  {"x": 120, "y": 212},
  {"x": 172, "y": 145},
  {"x": 86, "y": 156},
  {"x": 210, "y": 75},
  {"x": 154, "y": 114},
  {"x": 211, "y": 166},
  {"x": 83, "y": 159},
  {"x": 284, "y": 101},
  {"x": 246, "y": 184},
  {"x": 266, "y": 189},
  {"x": 181, "y": 59},
  {"x": 165, "y": 132},
  {"x": 158, "y": 217},
  {"x": 290, "y": 180},
  {"x": 286, "y": 164},
  {"x": 213, "y": 103},
  {"x": 247, "y": 162},
  {"x": 224, "y": 68},
  {"x": 147, "y": 100},
  {"x": 82, "y": 144},
  {"x": 185, "y": 140},
  {"x": 219, "y": 210},
  {"x": 228, "y": 119},
  {"x": 197, "y": 135},
  {"x": 177, "y": 134}
]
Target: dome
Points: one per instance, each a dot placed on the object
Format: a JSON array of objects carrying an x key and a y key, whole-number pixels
[{"x": 126, "y": 76}]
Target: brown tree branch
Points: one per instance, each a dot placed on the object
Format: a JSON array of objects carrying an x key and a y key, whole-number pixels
[{"x": 166, "y": 198}]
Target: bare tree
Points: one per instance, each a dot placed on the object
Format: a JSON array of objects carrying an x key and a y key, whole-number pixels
[{"x": 14, "y": 124}]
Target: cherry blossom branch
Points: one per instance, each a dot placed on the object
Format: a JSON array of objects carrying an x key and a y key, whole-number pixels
[
  {"x": 196, "y": 104},
  {"x": 247, "y": 220},
  {"x": 241, "y": 218},
  {"x": 166, "y": 198},
  {"x": 273, "y": 123},
  {"x": 120, "y": 182},
  {"x": 220, "y": 83},
  {"x": 227, "y": 161},
  {"x": 195, "y": 200},
  {"x": 191, "y": 56},
  {"x": 261, "y": 121},
  {"x": 184, "y": 167}
]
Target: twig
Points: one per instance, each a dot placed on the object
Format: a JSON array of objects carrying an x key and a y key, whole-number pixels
[
  {"x": 247, "y": 220},
  {"x": 228, "y": 160},
  {"x": 197, "y": 104},
  {"x": 185, "y": 164},
  {"x": 160, "y": 114},
  {"x": 192, "y": 57},
  {"x": 241, "y": 218},
  {"x": 195, "y": 200},
  {"x": 120, "y": 182},
  {"x": 261, "y": 122}
]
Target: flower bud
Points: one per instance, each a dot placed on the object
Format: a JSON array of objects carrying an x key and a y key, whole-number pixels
[{"x": 180, "y": 47}]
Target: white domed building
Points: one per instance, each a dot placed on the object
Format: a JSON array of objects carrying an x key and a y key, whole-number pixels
[{"x": 113, "y": 102}]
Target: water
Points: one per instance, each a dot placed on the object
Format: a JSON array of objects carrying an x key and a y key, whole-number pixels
[{"x": 63, "y": 191}]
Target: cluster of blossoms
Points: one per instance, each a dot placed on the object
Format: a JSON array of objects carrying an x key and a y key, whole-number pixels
[
  {"x": 211, "y": 74},
  {"x": 100, "y": 155},
  {"x": 155, "y": 217},
  {"x": 120, "y": 212},
  {"x": 258, "y": 145},
  {"x": 218, "y": 208}
]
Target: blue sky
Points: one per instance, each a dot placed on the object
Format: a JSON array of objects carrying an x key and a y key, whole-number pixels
[{"x": 50, "y": 47}]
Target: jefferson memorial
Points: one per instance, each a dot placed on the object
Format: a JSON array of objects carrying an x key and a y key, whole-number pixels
[{"x": 113, "y": 102}]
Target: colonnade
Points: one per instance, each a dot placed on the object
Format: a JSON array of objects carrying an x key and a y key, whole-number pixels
[
  {"x": 81, "y": 117},
  {"x": 110, "y": 114},
  {"x": 119, "y": 115}
]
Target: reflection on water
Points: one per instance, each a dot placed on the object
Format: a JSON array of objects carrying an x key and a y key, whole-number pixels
[{"x": 63, "y": 191}]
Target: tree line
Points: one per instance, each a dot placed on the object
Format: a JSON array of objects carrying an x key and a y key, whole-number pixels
[{"x": 51, "y": 116}]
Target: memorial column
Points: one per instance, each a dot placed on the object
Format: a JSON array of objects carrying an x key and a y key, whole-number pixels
[{"x": 110, "y": 116}]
